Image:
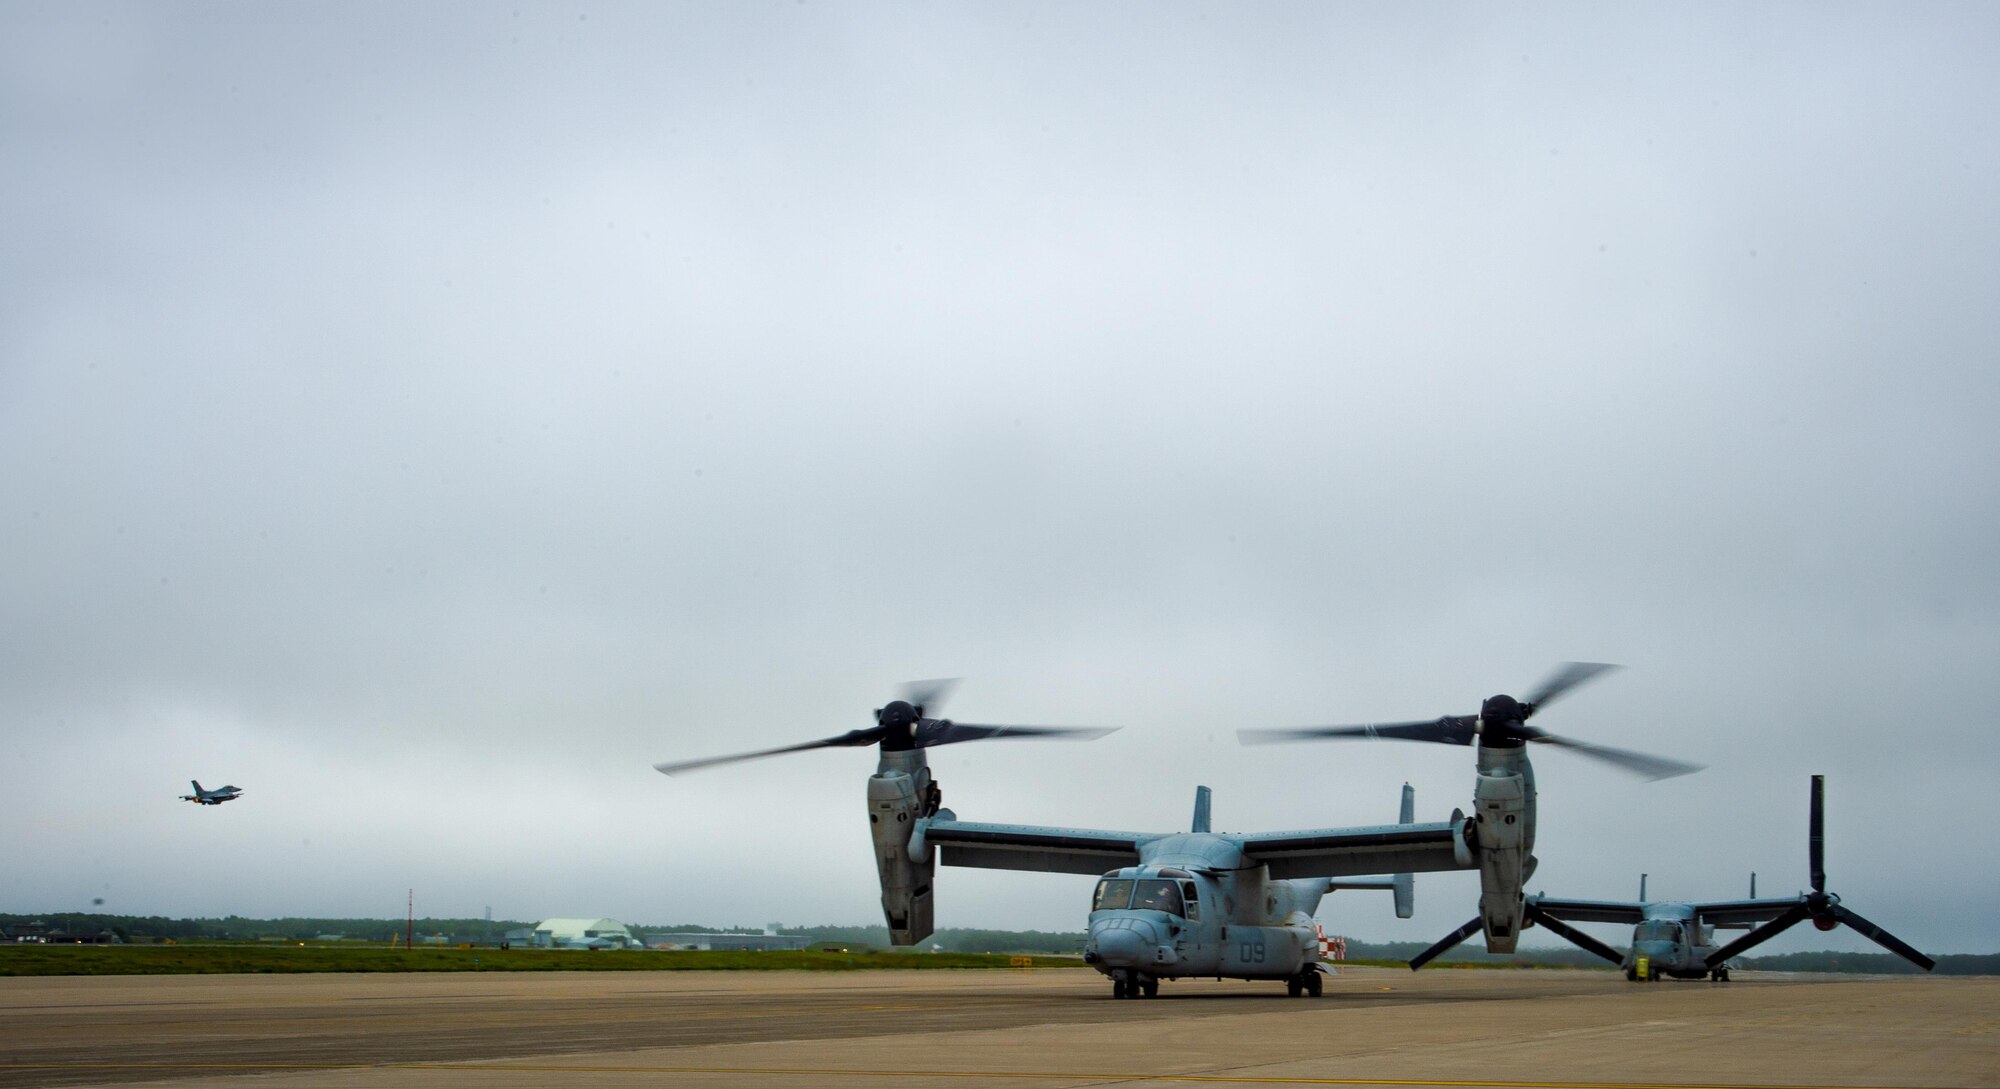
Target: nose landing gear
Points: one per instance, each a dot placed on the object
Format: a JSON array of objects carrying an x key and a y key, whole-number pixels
[
  {"x": 1307, "y": 982},
  {"x": 1123, "y": 986}
]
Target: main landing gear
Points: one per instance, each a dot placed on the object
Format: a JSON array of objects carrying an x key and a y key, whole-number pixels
[
  {"x": 1134, "y": 987},
  {"x": 1305, "y": 983}
]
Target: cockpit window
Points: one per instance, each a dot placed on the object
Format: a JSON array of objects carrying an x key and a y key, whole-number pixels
[
  {"x": 1193, "y": 904},
  {"x": 1157, "y": 895},
  {"x": 1657, "y": 932},
  {"x": 1144, "y": 894},
  {"x": 1112, "y": 895}
]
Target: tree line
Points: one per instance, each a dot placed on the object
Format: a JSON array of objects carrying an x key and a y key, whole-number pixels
[{"x": 153, "y": 928}]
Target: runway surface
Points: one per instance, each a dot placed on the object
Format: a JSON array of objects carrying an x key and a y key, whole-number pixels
[{"x": 967, "y": 1030}]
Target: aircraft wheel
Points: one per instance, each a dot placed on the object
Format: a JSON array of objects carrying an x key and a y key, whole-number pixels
[
  {"x": 1293, "y": 987},
  {"x": 1117, "y": 988},
  {"x": 1314, "y": 984},
  {"x": 1152, "y": 987}
]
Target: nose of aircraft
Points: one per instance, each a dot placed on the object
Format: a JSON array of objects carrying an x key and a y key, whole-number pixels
[
  {"x": 1124, "y": 943},
  {"x": 1661, "y": 954}
]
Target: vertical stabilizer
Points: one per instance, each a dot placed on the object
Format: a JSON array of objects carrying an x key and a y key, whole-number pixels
[
  {"x": 196, "y": 784},
  {"x": 1201, "y": 795},
  {"x": 1753, "y": 884},
  {"x": 1404, "y": 885},
  {"x": 1642, "y": 888}
]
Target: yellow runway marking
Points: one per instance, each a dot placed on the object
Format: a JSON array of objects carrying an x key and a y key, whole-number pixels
[{"x": 501, "y": 1066}]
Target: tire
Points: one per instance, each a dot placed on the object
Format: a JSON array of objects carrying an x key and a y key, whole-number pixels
[
  {"x": 1152, "y": 988},
  {"x": 1293, "y": 987},
  {"x": 1118, "y": 988},
  {"x": 1313, "y": 984}
]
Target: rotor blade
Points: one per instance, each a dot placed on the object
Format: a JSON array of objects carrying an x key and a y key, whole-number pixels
[
  {"x": 1566, "y": 677},
  {"x": 1449, "y": 730},
  {"x": 937, "y": 731},
  {"x": 1793, "y": 916},
  {"x": 1576, "y": 937},
  {"x": 1882, "y": 937},
  {"x": 1816, "y": 834},
  {"x": 1449, "y": 940},
  {"x": 1638, "y": 763},
  {"x": 928, "y": 696},
  {"x": 847, "y": 740}
]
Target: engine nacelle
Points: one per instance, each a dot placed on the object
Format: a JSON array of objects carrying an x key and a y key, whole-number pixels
[
  {"x": 1501, "y": 809},
  {"x": 899, "y": 794}
]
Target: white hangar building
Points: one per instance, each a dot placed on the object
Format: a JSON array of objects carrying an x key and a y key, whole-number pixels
[{"x": 584, "y": 934}]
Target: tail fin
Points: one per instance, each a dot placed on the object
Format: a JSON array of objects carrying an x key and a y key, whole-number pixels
[
  {"x": 1642, "y": 887},
  {"x": 1405, "y": 884},
  {"x": 1201, "y": 794},
  {"x": 196, "y": 783}
]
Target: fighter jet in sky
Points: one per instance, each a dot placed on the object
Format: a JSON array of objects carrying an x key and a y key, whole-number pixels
[{"x": 211, "y": 797}]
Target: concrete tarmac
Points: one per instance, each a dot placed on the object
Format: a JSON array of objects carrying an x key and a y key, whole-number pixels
[{"x": 972, "y": 1030}]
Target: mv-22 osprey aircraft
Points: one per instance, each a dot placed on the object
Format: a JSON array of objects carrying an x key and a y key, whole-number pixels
[
  {"x": 1677, "y": 938},
  {"x": 1198, "y": 904}
]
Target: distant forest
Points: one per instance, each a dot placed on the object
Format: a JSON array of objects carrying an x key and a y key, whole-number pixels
[
  {"x": 153, "y": 928},
  {"x": 143, "y": 929}
]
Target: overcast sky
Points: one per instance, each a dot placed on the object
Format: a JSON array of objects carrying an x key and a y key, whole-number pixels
[{"x": 427, "y": 417}]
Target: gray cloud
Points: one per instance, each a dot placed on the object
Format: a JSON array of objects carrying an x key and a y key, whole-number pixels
[{"x": 427, "y": 419}]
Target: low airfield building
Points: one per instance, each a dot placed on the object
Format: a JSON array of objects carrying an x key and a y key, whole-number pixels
[
  {"x": 765, "y": 941},
  {"x": 583, "y": 934},
  {"x": 577, "y": 933}
]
